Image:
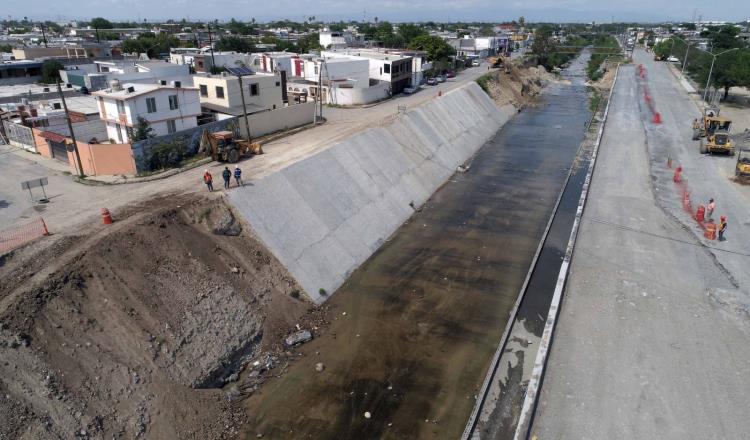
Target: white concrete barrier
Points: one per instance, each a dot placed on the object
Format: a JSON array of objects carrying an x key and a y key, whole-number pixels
[{"x": 324, "y": 216}]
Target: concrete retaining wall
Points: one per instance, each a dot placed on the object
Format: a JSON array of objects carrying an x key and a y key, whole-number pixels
[{"x": 324, "y": 216}]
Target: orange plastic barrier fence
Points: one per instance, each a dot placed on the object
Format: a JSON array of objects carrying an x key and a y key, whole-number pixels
[{"x": 16, "y": 237}]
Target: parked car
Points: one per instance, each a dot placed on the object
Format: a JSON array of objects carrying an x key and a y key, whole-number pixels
[
  {"x": 672, "y": 59},
  {"x": 450, "y": 74},
  {"x": 440, "y": 78},
  {"x": 431, "y": 82},
  {"x": 475, "y": 63},
  {"x": 410, "y": 90}
]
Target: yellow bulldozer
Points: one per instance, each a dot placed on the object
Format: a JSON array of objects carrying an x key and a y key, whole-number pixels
[
  {"x": 715, "y": 129},
  {"x": 225, "y": 147}
]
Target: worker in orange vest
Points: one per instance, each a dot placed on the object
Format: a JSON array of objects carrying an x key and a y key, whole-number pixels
[
  {"x": 208, "y": 179},
  {"x": 722, "y": 227}
]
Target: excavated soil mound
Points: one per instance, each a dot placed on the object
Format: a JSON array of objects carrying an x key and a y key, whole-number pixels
[{"x": 131, "y": 331}]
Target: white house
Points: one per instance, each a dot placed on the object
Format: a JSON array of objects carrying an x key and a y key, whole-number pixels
[
  {"x": 220, "y": 93},
  {"x": 392, "y": 68},
  {"x": 167, "y": 108}
]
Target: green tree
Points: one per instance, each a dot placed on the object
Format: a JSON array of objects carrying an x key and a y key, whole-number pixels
[
  {"x": 101, "y": 23},
  {"x": 543, "y": 45},
  {"x": 141, "y": 131},
  {"x": 236, "y": 44},
  {"x": 408, "y": 32},
  {"x": 436, "y": 47},
  {"x": 51, "y": 71},
  {"x": 308, "y": 42},
  {"x": 486, "y": 31},
  {"x": 6, "y": 48},
  {"x": 150, "y": 44},
  {"x": 239, "y": 28}
]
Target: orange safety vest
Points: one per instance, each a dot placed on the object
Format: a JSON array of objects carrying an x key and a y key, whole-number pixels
[{"x": 207, "y": 177}]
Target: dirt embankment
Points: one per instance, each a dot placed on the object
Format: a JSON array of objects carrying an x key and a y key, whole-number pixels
[
  {"x": 130, "y": 332},
  {"x": 518, "y": 85}
]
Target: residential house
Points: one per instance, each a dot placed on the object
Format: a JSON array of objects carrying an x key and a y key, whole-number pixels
[
  {"x": 167, "y": 108},
  {"x": 203, "y": 60},
  {"x": 98, "y": 75},
  {"x": 382, "y": 66},
  {"x": 220, "y": 94}
]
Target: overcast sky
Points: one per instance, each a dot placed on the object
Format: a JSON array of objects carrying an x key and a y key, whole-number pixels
[{"x": 393, "y": 10}]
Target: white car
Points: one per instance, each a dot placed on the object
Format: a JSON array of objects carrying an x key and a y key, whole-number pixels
[
  {"x": 672, "y": 59},
  {"x": 475, "y": 63}
]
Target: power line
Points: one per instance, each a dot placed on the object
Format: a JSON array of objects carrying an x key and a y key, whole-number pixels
[{"x": 664, "y": 237}]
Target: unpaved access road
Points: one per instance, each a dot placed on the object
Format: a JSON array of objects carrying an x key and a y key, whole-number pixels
[
  {"x": 652, "y": 336},
  {"x": 73, "y": 203}
]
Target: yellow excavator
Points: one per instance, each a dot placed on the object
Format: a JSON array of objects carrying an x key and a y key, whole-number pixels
[
  {"x": 499, "y": 61},
  {"x": 224, "y": 147}
]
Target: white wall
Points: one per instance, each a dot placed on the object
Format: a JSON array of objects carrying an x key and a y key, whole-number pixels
[
  {"x": 358, "y": 96},
  {"x": 340, "y": 69},
  {"x": 280, "y": 119}
]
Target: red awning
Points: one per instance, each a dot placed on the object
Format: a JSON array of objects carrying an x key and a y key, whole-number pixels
[{"x": 54, "y": 137}]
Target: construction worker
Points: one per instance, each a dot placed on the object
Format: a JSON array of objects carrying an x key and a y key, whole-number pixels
[
  {"x": 710, "y": 208},
  {"x": 238, "y": 175},
  {"x": 208, "y": 179},
  {"x": 722, "y": 227},
  {"x": 227, "y": 175}
]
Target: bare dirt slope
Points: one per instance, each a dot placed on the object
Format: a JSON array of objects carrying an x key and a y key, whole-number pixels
[
  {"x": 518, "y": 86},
  {"x": 131, "y": 331}
]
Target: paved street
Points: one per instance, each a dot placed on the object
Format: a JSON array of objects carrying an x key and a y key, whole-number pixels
[
  {"x": 72, "y": 203},
  {"x": 652, "y": 339}
]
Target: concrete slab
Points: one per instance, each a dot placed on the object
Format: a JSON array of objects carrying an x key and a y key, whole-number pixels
[
  {"x": 325, "y": 215},
  {"x": 649, "y": 342}
]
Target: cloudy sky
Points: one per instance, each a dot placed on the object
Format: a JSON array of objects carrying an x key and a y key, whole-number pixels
[{"x": 393, "y": 10}]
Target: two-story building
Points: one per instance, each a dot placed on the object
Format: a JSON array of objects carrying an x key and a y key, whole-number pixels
[
  {"x": 167, "y": 108},
  {"x": 392, "y": 68},
  {"x": 220, "y": 94}
]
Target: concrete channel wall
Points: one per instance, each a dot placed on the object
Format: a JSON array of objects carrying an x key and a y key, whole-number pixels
[{"x": 324, "y": 216}]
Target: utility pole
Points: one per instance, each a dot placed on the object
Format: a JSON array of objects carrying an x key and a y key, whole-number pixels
[
  {"x": 44, "y": 36},
  {"x": 684, "y": 61},
  {"x": 70, "y": 127},
  {"x": 318, "y": 96},
  {"x": 211, "y": 46},
  {"x": 244, "y": 109}
]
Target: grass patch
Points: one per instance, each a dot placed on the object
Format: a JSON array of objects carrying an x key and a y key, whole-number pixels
[{"x": 484, "y": 81}]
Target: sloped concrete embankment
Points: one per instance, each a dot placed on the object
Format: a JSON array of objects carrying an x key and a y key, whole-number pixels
[{"x": 324, "y": 216}]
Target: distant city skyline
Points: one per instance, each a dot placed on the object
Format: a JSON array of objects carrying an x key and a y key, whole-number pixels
[{"x": 391, "y": 10}]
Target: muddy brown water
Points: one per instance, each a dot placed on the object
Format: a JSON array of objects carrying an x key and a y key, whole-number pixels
[{"x": 416, "y": 326}]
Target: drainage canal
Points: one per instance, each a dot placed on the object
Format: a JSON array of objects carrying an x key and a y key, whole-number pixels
[{"x": 415, "y": 328}]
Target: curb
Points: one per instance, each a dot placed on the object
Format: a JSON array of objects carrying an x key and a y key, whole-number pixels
[
  {"x": 523, "y": 429},
  {"x": 160, "y": 176}
]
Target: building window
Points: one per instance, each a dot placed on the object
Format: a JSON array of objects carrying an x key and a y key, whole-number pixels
[
  {"x": 253, "y": 89},
  {"x": 119, "y": 133},
  {"x": 204, "y": 90},
  {"x": 171, "y": 126},
  {"x": 151, "y": 105},
  {"x": 278, "y": 84},
  {"x": 121, "y": 107},
  {"x": 219, "y": 92},
  {"x": 316, "y": 70},
  {"x": 173, "y": 104},
  {"x": 387, "y": 68}
]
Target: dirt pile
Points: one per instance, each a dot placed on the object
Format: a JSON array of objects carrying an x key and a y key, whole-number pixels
[
  {"x": 130, "y": 332},
  {"x": 517, "y": 86}
]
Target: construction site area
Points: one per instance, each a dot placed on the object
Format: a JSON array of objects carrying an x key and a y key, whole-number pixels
[{"x": 514, "y": 254}]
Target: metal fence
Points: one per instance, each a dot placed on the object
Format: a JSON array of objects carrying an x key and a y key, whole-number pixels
[{"x": 19, "y": 136}]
